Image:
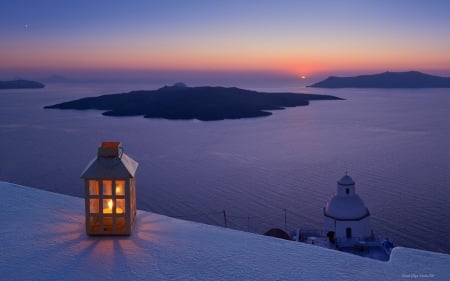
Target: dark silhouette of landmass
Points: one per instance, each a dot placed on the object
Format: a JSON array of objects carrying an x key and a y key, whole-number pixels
[
  {"x": 55, "y": 79},
  {"x": 202, "y": 103},
  {"x": 20, "y": 84},
  {"x": 410, "y": 79}
]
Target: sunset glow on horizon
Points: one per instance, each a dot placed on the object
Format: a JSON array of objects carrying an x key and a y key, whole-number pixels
[{"x": 293, "y": 37}]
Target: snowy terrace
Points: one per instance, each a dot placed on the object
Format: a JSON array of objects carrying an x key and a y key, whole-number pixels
[{"x": 43, "y": 238}]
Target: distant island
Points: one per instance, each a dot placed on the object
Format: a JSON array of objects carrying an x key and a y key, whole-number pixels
[
  {"x": 202, "y": 103},
  {"x": 409, "y": 79},
  {"x": 55, "y": 79},
  {"x": 20, "y": 84}
]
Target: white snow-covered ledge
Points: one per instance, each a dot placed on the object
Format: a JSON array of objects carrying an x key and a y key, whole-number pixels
[{"x": 42, "y": 237}]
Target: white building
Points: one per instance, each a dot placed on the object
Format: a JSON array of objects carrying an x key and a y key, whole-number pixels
[{"x": 346, "y": 214}]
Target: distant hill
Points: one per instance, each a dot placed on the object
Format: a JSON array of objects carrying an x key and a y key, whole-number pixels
[
  {"x": 410, "y": 79},
  {"x": 202, "y": 103},
  {"x": 20, "y": 84},
  {"x": 55, "y": 78}
]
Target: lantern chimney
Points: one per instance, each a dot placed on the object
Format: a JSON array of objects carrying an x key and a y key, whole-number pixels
[{"x": 109, "y": 149}]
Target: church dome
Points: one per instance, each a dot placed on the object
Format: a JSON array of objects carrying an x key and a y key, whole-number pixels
[
  {"x": 346, "y": 204},
  {"x": 346, "y": 180},
  {"x": 346, "y": 208}
]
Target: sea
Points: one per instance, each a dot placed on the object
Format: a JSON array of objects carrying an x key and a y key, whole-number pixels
[{"x": 252, "y": 174}]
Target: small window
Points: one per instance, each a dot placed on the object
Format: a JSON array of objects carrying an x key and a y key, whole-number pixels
[
  {"x": 108, "y": 205},
  {"x": 93, "y": 187},
  {"x": 107, "y": 187},
  {"x": 120, "y": 187},
  {"x": 93, "y": 206},
  {"x": 120, "y": 207},
  {"x": 347, "y": 191}
]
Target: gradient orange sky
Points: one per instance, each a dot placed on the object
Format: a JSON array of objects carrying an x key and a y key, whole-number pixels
[{"x": 295, "y": 37}]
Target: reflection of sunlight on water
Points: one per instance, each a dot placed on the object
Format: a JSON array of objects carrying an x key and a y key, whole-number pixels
[{"x": 398, "y": 131}]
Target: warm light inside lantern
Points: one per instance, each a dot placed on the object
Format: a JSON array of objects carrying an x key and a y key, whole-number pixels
[
  {"x": 110, "y": 204},
  {"x": 120, "y": 190}
]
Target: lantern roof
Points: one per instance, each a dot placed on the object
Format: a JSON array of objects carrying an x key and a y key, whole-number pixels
[{"x": 110, "y": 164}]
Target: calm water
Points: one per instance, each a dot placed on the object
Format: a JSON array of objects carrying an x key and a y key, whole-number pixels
[{"x": 394, "y": 143}]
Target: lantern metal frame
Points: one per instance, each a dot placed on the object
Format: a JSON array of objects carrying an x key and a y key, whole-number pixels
[{"x": 110, "y": 192}]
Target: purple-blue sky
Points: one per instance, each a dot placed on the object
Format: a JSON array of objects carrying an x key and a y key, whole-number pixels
[{"x": 293, "y": 37}]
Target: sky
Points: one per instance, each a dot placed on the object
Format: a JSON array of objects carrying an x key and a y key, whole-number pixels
[{"x": 298, "y": 37}]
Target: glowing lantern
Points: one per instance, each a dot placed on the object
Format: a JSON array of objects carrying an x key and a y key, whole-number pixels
[{"x": 110, "y": 192}]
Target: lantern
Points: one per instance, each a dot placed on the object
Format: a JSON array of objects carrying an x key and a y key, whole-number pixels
[{"x": 110, "y": 195}]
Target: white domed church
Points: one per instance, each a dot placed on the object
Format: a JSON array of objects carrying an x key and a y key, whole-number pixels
[{"x": 345, "y": 213}]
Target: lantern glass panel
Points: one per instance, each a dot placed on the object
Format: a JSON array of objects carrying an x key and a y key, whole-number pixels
[
  {"x": 93, "y": 206},
  {"x": 93, "y": 187},
  {"x": 107, "y": 187},
  {"x": 120, "y": 209},
  {"x": 120, "y": 187},
  {"x": 108, "y": 206}
]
